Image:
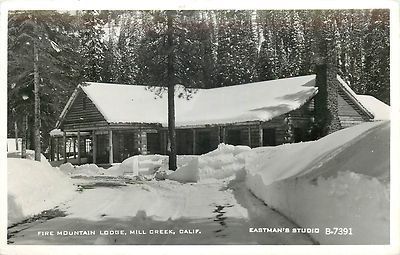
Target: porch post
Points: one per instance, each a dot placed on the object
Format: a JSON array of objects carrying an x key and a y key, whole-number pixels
[
  {"x": 74, "y": 145},
  {"x": 58, "y": 148},
  {"x": 65, "y": 146},
  {"x": 249, "y": 136},
  {"x": 94, "y": 144},
  {"x": 51, "y": 149},
  {"x": 79, "y": 147},
  {"x": 223, "y": 134},
  {"x": 194, "y": 141},
  {"x": 260, "y": 134},
  {"x": 110, "y": 146},
  {"x": 219, "y": 134}
]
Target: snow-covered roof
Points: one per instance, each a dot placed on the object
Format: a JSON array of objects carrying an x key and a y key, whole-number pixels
[
  {"x": 379, "y": 109},
  {"x": 259, "y": 101}
]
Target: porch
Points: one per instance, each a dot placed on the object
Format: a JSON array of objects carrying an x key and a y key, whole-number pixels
[{"x": 108, "y": 146}]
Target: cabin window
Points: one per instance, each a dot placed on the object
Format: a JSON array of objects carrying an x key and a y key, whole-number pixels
[{"x": 269, "y": 137}]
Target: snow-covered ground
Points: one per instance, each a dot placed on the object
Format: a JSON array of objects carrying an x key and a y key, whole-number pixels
[
  {"x": 222, "y": 212},
  {"x": 34, "y": 187},
  {"x": 341, "y": 180}
]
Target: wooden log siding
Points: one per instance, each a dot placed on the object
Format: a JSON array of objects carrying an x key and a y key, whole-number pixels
[
  {"x": 301, "y": 118},
  {"x": 94, "y": 147},
  {"x": 83, "y": 113},
  {"x": 349, "y": 113}
]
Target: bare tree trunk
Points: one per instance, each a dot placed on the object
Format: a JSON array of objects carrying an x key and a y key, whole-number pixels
[
  {"x": 16, "y": 133},
  {"x": 171, "y": 97},
  {"x": 24, "y": 128},
  {"x": 37, "y": 101}
]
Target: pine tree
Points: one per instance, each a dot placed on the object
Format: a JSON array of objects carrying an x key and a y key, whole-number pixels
[
  {"x": 170, "y": 54},
  {"x": 377, "y": 55},
  {"x": 127, "y": 46},
  {"x": 92, "y": 47},
  {"x": 237, "y": 48},
  {"x": 42, "y": 68}
]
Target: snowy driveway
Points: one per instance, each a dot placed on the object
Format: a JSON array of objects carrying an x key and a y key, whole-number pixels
[{"x": 160, "y": 212}]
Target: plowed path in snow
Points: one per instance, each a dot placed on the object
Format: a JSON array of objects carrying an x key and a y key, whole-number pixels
[{"x": 160, "y": 212}]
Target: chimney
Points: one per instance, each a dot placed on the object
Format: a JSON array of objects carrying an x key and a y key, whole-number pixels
[{"x": 326, "y": 101}]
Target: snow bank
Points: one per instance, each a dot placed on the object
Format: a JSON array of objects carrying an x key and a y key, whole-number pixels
[
  {"x": 34, "y": 187},
  {"x": 341, "y": 180},
  {"x": 282, "y": 161},
  {"x": 11, "y": 144},
  {"x": 30, "y": 154},
  {"x": 221, "y": 163},
  {"x": 186, "y": 173},
  {"x": 82, "y": 170},
  {"x": 139, "y": 165}
]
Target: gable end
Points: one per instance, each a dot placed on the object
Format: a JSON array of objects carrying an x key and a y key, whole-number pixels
[{"x": 81, "y": 112}]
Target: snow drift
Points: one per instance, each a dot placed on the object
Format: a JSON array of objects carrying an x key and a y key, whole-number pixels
[
  {"x": 30, "y": 154},
  {"x": 138, "y": 165},
  {"x": 341, "y": 180},
  {"x": 221, "y": 163},
  {"x": 34, "y": 187}
]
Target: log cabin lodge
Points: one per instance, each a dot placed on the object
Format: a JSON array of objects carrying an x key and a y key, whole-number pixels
[{"x": 107, "y": 123}]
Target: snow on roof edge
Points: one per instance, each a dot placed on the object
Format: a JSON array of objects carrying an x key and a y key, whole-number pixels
[
  {"x": 353, "y": 96},
  {"x": 310, "y": 76},
  {"x": 66, "y": 107},
  {"x": 379, "y": 109}
]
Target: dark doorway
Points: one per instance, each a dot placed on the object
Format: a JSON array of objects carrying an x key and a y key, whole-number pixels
[
  {"x": 234, "y": 136},
  {"x": 124, "y": 145},
  {"x": 102, "y": 149},
  {"x": 299, "y": 135},
  {"x": 184, "y": 141},
  {"x": 153, "y": 143},
  {"x": 203, "y": 142},
  {"x": 269, "y": 138}
]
